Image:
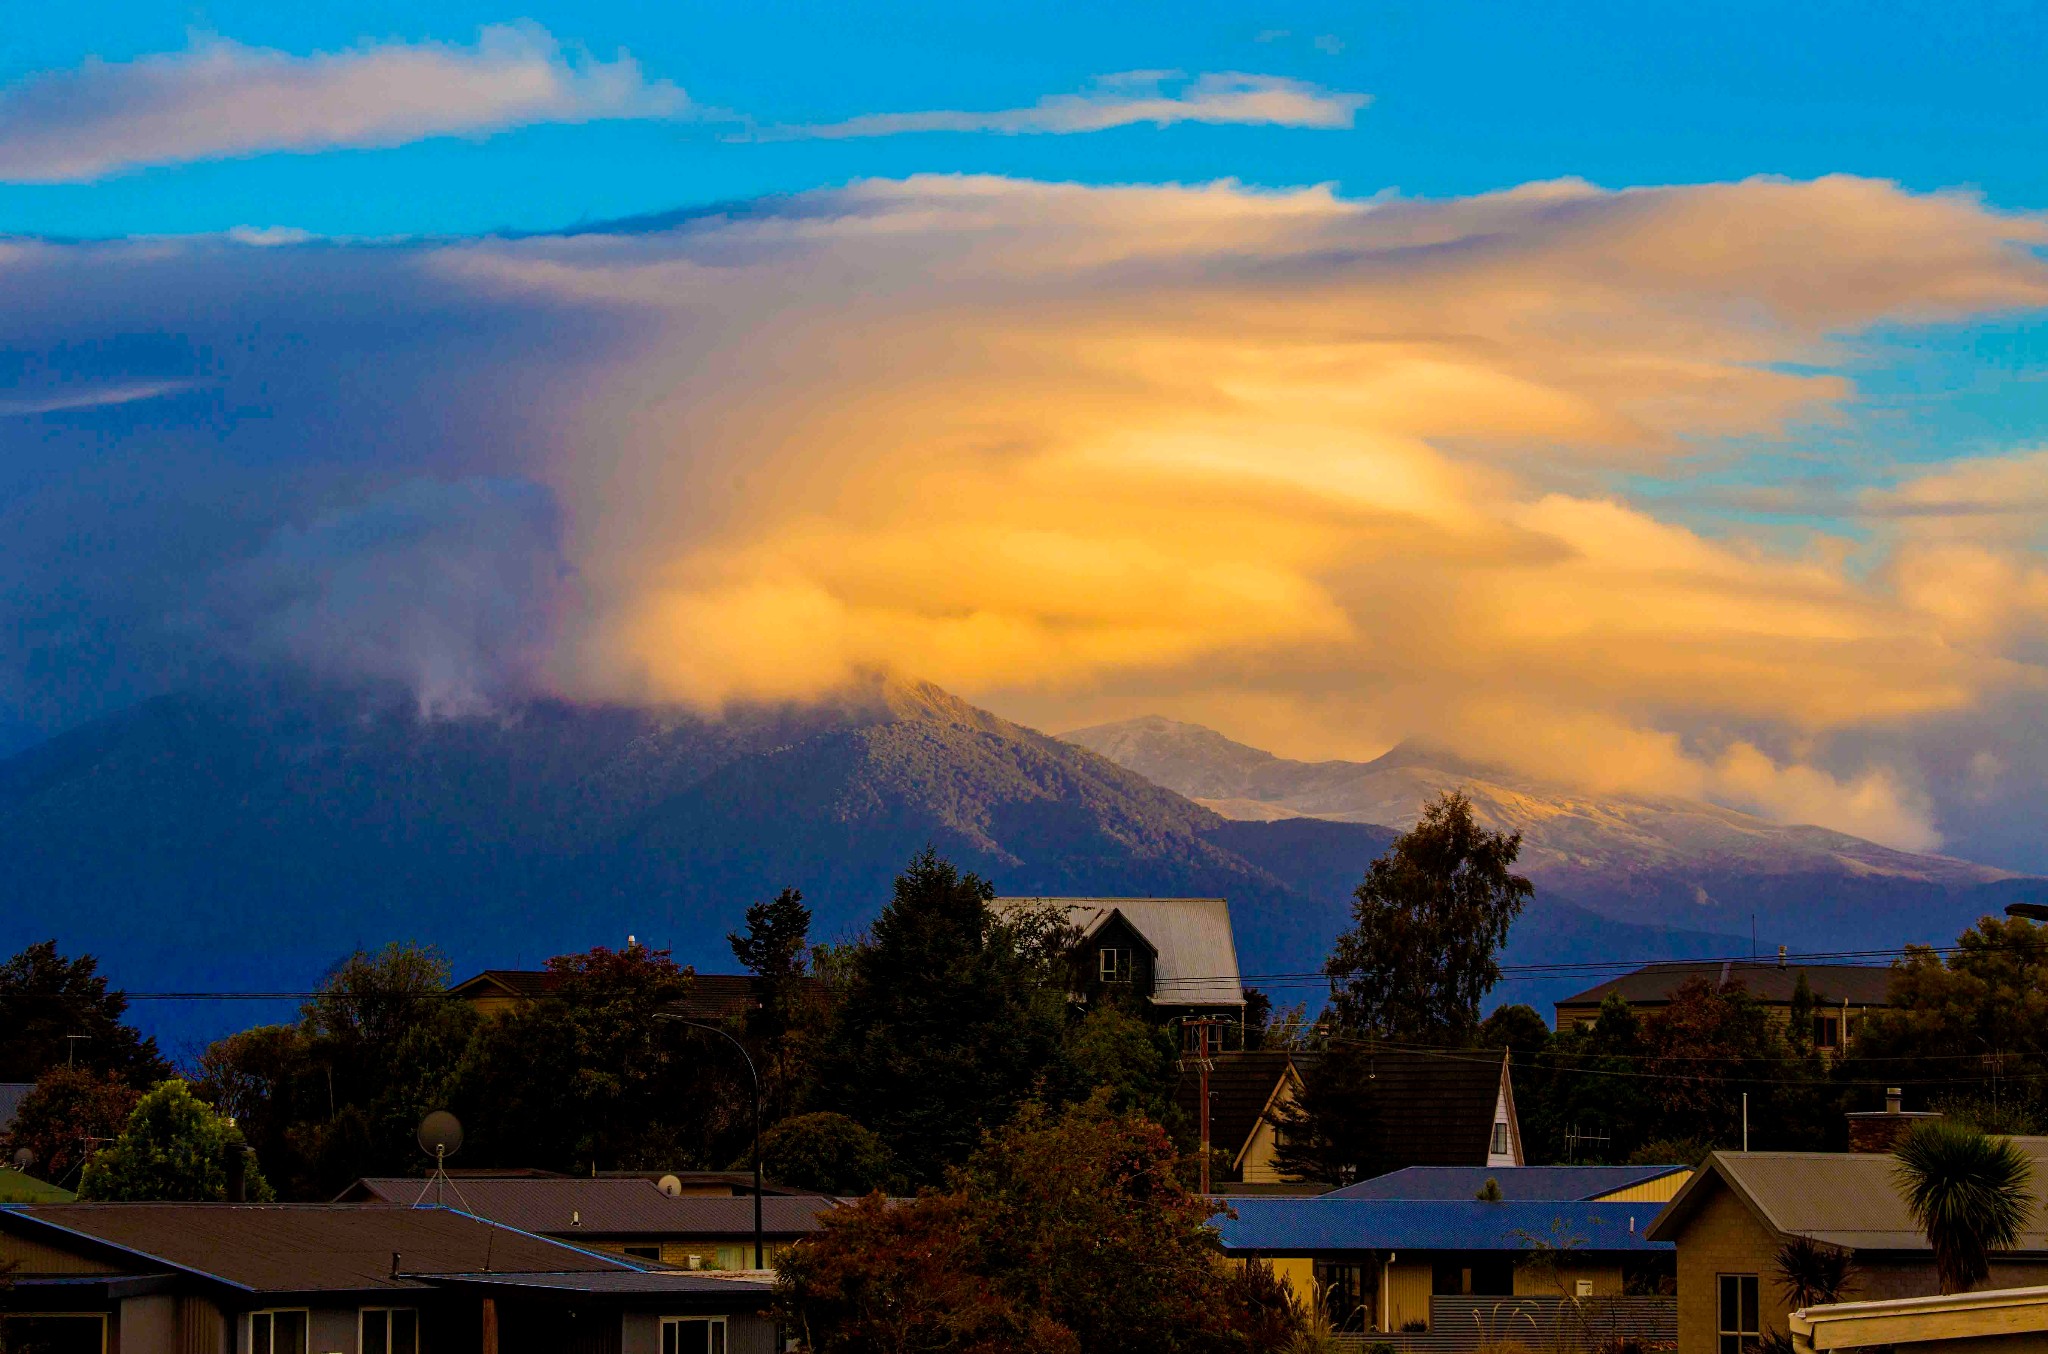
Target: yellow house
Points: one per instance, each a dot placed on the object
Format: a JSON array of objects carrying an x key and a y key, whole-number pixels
[
  {"x": 1393, "y": 1266},
  {"x": 1739, "y": 1208}
]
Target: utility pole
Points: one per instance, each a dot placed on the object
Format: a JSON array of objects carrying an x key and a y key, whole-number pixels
[
  {"x": 1203, "y": 1062},
  {"x": 755, "y": 1077}
]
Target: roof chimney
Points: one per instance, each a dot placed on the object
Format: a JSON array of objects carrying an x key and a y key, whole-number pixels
[
  {"x": 1880, "y": 1131},
  {"x": 1781, "y": 956}
]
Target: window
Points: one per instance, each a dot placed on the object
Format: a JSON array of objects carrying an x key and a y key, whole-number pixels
[
  {"x": 642, "y": 1252},
  {"x": 1500, "y": 1141},
  {"x": 1827, "y": 1031},
  {"x": 1739, "y": 1328},
  {"x": 277, "y": 1332},
  {"x": 54, "y": 1333},
  {"x": 693, "y": 1335},
  {"x": 1349, "y": 1292},
  {"x": 1113, "y": 964},
  {"x": 390, "y": 1330}
]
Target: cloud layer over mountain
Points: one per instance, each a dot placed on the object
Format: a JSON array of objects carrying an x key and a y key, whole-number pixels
[{"x": 1324, "y": 473}]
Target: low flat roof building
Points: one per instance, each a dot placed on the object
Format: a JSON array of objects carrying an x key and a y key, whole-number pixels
[
  {"x": 142, "y": 1278},
  {"x": 1437, "y": 1266},
  {"x": 619, "y": 1215}
]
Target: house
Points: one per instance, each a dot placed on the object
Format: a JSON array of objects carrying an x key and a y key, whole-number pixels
[
  {"x": 1527, "y": 1270},
  {"x": 1843, "y": 993},
  {"x": 1993, "y": 1321},
  {"x": 619, "y": 1215},
  {"x": 715, "y": 997},
  {"x": 112, "y": 1278},
  {"x": 1440, "y": 1109},
  {"x": 1549, "y": 1184},
  {"x": 1178, "y": 955},
  {"x": 1739, "y": 1208}
]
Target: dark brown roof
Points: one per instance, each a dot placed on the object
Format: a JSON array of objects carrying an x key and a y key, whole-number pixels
[
  {"x": 1439, "y": 1105},
  {"x": 1240, "y": 1085},
  {"x": 1437, "y": 1108},
  {"x": 1832, "y": 984},
  {"x": 302, "y": 1248},
  {"x": 607, "y": 1206},
  {"x": 713, "y": 996},
  {"x": 510, "y": 982}
]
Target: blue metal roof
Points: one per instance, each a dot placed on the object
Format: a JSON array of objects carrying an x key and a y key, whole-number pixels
[
  {"x": 1281, "y": 1225},
  {"x": 1553, "y": 1183}
]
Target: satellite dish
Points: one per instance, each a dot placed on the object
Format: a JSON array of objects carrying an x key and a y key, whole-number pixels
[
  {"x": 440, "y": 1135},
  {"x": 23, "y": 1158},
  {"x": 670, "y": 1186}
]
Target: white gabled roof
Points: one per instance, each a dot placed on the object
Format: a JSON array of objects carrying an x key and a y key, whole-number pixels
[{"x": 1197, "y": 951}]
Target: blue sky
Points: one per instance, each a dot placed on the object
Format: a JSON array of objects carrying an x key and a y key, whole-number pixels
[
  {"x": 1466, "y": 97},
  {"x": 1718, "y": 470}
]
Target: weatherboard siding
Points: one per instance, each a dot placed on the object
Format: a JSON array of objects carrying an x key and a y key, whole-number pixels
[
  {"x": 1405, "y": 1293},
  {"x": 1659, "y": 1191},
  {"x": 34, "y": 1257}
]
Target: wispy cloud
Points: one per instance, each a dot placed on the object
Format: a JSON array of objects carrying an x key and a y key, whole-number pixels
[
  {"x": 100, "y": 397},
  {"x": 220, "y": 98},
  {"x": 1161, "y": 98}
]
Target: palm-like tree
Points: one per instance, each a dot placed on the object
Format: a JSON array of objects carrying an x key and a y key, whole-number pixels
[
  {"x": 1813, "y": 1273},
  {"x": 1968, "y": 1192}
]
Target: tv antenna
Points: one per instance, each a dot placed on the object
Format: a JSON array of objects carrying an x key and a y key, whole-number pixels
[{"x": 440, "y": 1137}]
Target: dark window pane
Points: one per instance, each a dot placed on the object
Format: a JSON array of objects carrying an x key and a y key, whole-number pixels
[
  {"x": 405, "y": 1331},
  {"x": 1749, "y": 1321},
  {"x": 52, "y": 1334},
  {"x": 259, "y": 1333},
  {"x": 376, "y": 1332},
  {"x": 288, "y": 1333}
]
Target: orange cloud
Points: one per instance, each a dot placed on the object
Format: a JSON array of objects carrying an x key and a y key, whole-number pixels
[{"x": 1336, "y": 463}]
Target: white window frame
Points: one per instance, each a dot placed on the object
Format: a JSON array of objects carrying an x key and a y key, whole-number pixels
[
  {"x": 1728, "y": 1339},
  {"x": 720, "y": 1331},
  {"x": 249, "y": 1328},
  {"x": 1113, "y": 964},
  {"x": 100, "y": 1317},
  {"x": 363, "y": 1316}
]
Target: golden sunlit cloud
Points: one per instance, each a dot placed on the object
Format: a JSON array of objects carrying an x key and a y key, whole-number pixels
[{"x": 1322, "y": 463}]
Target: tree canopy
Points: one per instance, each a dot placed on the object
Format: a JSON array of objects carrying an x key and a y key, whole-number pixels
[
  {"x": 1063, "y": 1232},
  {"x": 951, "y": 1018},
  {"x": 173, "y": 1147},
  {"x": 60, "y": 1012},
  {"x": 1427, "y": 923}
]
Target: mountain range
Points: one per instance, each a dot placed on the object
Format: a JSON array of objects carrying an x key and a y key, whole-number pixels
[
  {"x": 241, "y": 838},
  {"x": 1640, "y": 858}
]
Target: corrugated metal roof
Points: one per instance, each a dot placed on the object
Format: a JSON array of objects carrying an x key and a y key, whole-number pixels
[
  {"x": 624, "y": 1283},
  {"x": 1555, "y": 1184},
  {"x": 1284, "y": 1226},
  {"x": 607, "y": 1207},
  {"x": 1197, "y": 962},
  {"x": 299, "y": 1248},
  {"x": 1848, "y": 1199},
  {"x": 1832, "y": 984}
]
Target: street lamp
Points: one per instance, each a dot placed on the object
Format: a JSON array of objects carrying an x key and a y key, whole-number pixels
[{"x": 755, "y": 1077}]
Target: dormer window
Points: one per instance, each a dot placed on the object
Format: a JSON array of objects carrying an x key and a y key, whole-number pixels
[{"x": 1113, "y": 964}]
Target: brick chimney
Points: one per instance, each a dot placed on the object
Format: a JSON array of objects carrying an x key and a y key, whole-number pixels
[{"x": 1880, "y": 1130}]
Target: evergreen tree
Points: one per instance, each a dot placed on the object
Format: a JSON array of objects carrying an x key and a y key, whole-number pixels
[
  {"x": 950, "y": 1019},
  {"x": 58, "y": 1012}
]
